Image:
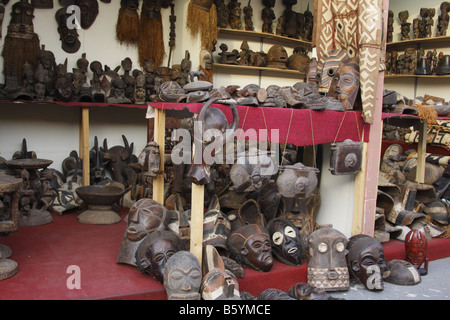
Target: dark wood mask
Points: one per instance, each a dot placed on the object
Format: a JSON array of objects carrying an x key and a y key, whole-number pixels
[{"x": 42, "y": 4}]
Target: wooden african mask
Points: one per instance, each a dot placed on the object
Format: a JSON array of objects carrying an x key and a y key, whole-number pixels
[
  {"x": 286, "y": 241},
  {"x": 366, "y": 261},
  {"x": 150, "y": 160},
  {"x": 304, "y": 291},
  {"x": 88, "y": 12},
  {"x": 327, "y": 66},
  {"x": 327, "y": 268},
  {"x": 250, "y": 244},
  {"x": 345, "y": 83},
  {"x": 416, "y": 246},
  {"x": 214, "y": 122},
  {"x": 297, "y": 181},
  {"x": 182, "y": 277},
  {"x": 145, "y": 216},
  {"x": 218, "y": 283},
  {"x": 216, "y": 226},
  {"x": 402, "y": 273},
  {"x": 346, "y": 157},
  {"x": 274, "y": 294},
  {"x": 42, "y": 4},
  {"x": 153, "y": 253}
]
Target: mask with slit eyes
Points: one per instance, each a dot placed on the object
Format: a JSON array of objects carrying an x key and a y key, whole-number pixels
[
  {"x": 182, "y": 277},
  {"x": 366, "y": 261},
  {"x": 286, "y": 241},
  {"x": 154, "y": 251}
]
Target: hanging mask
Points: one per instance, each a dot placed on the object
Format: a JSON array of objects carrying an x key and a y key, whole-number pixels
[
  {"x": 42, "y": 4},
  {"x": 346, "y": 157},
  {"x": 88, "y": 12},
  {"x": 68, "y": 37},
  {"x": 297, "y": 181}
]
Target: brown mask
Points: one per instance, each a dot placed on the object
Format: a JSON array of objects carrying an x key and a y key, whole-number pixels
[
  {"x": 42, "y": 4},
  {"x": 274, "y": 294},
  {"x": 250, "y": 244},
  {"x": 214, "y": 119},
  {"x": 154, "y": 251},
  {"x": 89, "y": 12},
  {"x": 297, "y": 181},
  {"x": 327, "y": 66},
  {"x": 68, "y": 37},
  {"x": 402, "y": 273},
  {"x": 145, "y": 216},
  {"x": 327, "y": 268},
  {"x": 218, "y": 283},
  {"x": 150, "y": 160},
  {"x": 345, "y": 83},
  {"x": 63, "y": 88},
  {"x": 182, "y": 277},
  {"x": 416, "y": 246},
  {"x": 304, "y": 291},
  {"x": 366, "y": 261}
]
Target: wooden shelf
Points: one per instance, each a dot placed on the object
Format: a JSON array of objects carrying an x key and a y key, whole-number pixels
[
  {"x": 413, "y": 76},
  {"x": 237, "y": 67},
  {"x": 418, "y": 41},
  {"x": 264, "y": 35}
]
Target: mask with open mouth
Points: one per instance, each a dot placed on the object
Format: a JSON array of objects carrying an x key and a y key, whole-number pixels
[{"x": 286, "y": 241}]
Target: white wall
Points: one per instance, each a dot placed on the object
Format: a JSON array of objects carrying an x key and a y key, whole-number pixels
[{"x": 407, "y": 87}]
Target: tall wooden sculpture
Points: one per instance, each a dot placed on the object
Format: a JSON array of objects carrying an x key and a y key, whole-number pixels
[{"x": 354, "y": 26}]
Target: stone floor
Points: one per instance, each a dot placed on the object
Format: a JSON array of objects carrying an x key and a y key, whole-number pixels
[{"x": 434, "y": 286}]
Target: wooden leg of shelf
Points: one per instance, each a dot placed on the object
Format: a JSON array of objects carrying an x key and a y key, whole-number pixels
[
  {"x": 159, "y": 138},
  {"x": 84, "y": 144},
  {"x": 421, "y": 152},
  {"x": 358, "y": 201},
  {"x": 197, "y": 199}
]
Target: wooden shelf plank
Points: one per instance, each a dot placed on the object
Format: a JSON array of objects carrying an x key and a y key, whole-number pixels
[
  {"x": 443, "y": 39},
  {"x": 237, "y": 67},
  {"x": 264, "y": 35},
  {"x": 412, "y": 76}
]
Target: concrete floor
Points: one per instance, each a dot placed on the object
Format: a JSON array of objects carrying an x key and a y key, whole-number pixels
[{"x": 434, "y": 286}]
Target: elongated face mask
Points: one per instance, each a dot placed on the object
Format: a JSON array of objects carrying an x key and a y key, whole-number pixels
[{"x": 327, "y": 268}]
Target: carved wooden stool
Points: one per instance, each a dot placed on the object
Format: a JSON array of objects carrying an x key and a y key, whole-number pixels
[{"x": 9, "y": 208}]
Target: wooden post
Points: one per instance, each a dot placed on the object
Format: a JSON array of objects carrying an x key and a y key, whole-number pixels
[
  {"x": 159, "y": 134},
  {"x": 84, "y": 145},
  {"x": 421, "y": 152},
  {"x": 358, "y": 201},
  {"x": 197, "y": 199}
]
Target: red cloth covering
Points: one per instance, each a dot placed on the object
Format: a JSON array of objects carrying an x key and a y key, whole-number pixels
[{"x": 301, "y": 127}]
